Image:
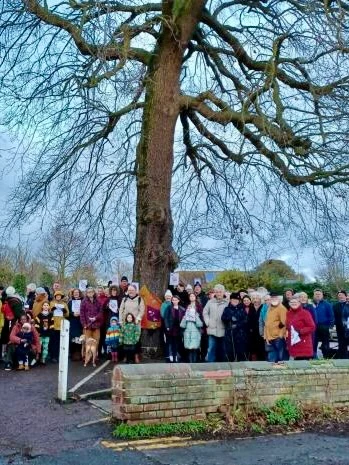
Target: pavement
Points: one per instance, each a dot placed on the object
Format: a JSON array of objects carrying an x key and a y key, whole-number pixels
[{"x": 36, "y": 429}]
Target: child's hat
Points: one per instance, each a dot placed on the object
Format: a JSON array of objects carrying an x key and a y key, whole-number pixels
[
  {"x": 26, "y": 326},
  {"x": 114, "y": 318},
  {"x": 168, "y": 293}
]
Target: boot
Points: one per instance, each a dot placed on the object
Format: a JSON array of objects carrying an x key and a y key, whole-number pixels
[
  {"x": 20, "y": 366},
  {"x": 26, "y": 367}
]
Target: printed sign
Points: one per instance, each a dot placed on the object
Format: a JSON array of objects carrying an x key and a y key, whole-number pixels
[
  {"x": 174, "y": 279},
  {"x": 83, "y": 285}
]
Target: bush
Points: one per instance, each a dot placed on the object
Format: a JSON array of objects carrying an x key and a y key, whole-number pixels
[{"x": 284, "y": 412}]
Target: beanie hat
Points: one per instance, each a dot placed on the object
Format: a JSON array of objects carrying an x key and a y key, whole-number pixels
[
  {"x": 31, "y": 287},
  {"x": 40, "y": 290},
  {"x": 197, "y": 284},
  {"x": 168, "y": 293},
  {"x": 235, "y": 295},
  {"x": 10, "y": 291},
  {"x": 114, "y": 318},
  {"x": 124, "y": 278},
  {"x": 27, "y": 326}
]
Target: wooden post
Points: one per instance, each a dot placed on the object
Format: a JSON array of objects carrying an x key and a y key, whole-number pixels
[{"x": 63, "y": 361}]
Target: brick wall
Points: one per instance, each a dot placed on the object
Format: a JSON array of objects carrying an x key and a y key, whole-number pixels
[{"x": 153, "y": 393}]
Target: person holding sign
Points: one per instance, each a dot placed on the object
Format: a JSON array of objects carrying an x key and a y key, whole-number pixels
[
  {"x": 300, "y": 329},
  {"x": 59, "y": 311},
  {"x": 74, "y": 305}
]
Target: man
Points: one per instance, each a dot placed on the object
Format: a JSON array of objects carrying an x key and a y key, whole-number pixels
[
  {"x": 200, "y": 294},
  {"x": 182, "y": 294},
  {"x": 325, "y": 320},
  {"x": 341, "y": 318},
  {"x": 215, "y": 327},
  {"x": 275, "y": 330},
  {"x": 122, "y": 289}
]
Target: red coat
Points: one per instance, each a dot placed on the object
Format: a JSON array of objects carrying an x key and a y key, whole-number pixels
[
  {"x": 36, "y": 345},
  {"x": 91, "y": 309},
  {"x": 303, "y": 323}
]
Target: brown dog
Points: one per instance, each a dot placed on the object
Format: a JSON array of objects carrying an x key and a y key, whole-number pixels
[{"x": 90, "y": 351}]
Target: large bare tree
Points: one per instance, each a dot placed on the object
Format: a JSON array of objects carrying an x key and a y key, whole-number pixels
[{"x": 257, "y": 91}]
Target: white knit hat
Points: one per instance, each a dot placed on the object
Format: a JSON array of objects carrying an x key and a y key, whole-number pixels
[
  {"x": 10, "y": 291},
  {"x": 168, "y": 293},
  {"x": 31, "y": 287}
]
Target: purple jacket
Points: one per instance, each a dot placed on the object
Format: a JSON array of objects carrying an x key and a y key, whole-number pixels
[{"x": 89, "y": 310}]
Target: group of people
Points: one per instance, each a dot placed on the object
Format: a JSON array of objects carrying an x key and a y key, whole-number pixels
[
  {"x": 196, "y": 326},
  {"x": 105, "y": 321}
]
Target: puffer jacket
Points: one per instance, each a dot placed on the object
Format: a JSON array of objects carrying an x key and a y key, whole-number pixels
[
  {"x": 192, "y": 332},
  {"x": 213, "y": 317},
  {"x": 133, "y": 305}
]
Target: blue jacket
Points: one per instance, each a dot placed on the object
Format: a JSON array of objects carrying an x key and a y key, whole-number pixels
[{"x": 324, "y": 313}]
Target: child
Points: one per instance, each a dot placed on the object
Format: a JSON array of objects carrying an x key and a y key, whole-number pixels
[
  {"x": 112, "y": 338},
  {"x": 24, "y": 347},
  {"x": 60, "y": 311},
  {"x": 44, "y": 325},
  {"x": 129, "y": 336},
  {"x": 192, "y": 324}
]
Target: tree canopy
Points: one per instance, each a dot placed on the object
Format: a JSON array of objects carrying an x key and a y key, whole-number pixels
[{"x": 235, "y": 100}]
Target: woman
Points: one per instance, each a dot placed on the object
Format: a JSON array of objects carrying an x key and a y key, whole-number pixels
[
  {"x": 252, "y": 327},
  {"x": 164, "y": 306},
  {"x": 173, "y": 318},
  {"x": 91, "y": 316},
  {"x": 234, "y": 318},
  {"x": 288, "y": 293},
  {"x": 300, "y": 329},
  {"x": 11, "y": 360},
  {"x": 260, "y": 348},
  {"x": 74, "y": 306},
  {"x": 133, "y": 303}
]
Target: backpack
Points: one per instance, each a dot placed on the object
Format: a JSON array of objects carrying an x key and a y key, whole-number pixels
[{"x": 7, "y": 311}]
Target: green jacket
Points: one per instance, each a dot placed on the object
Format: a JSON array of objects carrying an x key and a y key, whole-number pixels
[{"x": 130, "y": 334}]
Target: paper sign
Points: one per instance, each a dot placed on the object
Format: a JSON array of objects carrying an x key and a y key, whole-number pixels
[
  {"x": 113, "y": 305},
  {"x": 58, "y": 312},
  {"x": 174, "y": 279},
  {"x": 197, "y": 280},
  {"x": 83, "y": 285},
  {"x": 136, "y": 285},
  {"x": 75, "y": 306},
  {"x": 115, "y": 280},
  {"x": 294, "y": 337}
]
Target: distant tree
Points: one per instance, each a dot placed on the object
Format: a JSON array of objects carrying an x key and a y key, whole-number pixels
[
  {"x": 88, "y": 272},
  {"x": 277, "y": 268},
  {"x": 46, "y": 279},
  {"x": 19, "y": 283}
]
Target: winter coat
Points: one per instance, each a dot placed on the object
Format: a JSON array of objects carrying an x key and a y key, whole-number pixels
[
  {"x": 109, "y": 312},
  {"x": 212, "y": 314},
  {"x": 173, "y": 318},
  {"x": 324, "y": 313},
  {"x": 252, "y": 329},
  {"x": 36, "y": 345},
  {"x": 30, "y": 299},
  {"x": 235, "y": 320},
  {"x": 163, "y": 308},
  {"x": 75, "y": 323},
  {"x": 192, "y": 333},
  {"x": 133, "y": 305},
  {"x": 302, "y": 322},
  {"x": 275, "y": 323},
  {"x": 91, "y": 309},
  {"x": 37, "y": 305},
  {"x": 130, "y": 334},
  {"x": 57, "y": 320},
  {"x": 202, "y": 299},
  {"x": 44, "y": 324},
  {"x": 262, "y": 318},
  {"x": 112, "y": 338}
]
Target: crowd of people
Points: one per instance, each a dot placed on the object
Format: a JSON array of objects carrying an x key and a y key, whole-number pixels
[{"x": 243, "y": 325}]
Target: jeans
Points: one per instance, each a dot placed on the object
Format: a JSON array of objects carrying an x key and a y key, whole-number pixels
[
  {"x": 276, "y": 350},
  {"x": 215, "y": 352},
  {"x": 172, "y": 347},
  {"x": 193, "y": 355}
]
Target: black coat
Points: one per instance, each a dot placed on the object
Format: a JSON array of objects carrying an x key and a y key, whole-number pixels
[{"x": 236, "y": 333}]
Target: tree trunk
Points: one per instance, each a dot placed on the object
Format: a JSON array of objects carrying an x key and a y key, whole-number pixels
[{"x": 154, "y": 254}]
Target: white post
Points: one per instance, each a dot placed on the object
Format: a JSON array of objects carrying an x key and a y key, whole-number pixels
[{"x": 63, "y": 361}]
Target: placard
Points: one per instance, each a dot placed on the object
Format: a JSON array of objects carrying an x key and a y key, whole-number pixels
[
  {"x": 113, "y": 305},
  {"x": 75, "y": 307},
  {"x": 58, "y": 312},
  {"x": 174, "y": 279},
  {"x": 83, "y": 285}
]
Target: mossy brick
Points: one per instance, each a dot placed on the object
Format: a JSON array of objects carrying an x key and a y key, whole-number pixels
[
  {"x": 166, "y": 405},
  {"x": 150, "y": 407},
  {"x": 180, "y": 412},
  {"x": 203, "y": 403},
  {"x": 168, "y": 413},
  {"x": 129, "y": 408},
  {"x": 143, "y": 415},
  {"x": 182, "y": 404}
]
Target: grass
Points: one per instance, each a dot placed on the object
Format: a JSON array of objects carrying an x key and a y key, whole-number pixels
[{"x": 124, "y": 431}]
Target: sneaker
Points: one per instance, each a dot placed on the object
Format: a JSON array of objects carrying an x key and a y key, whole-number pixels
[
  {"x": 8, "y": 367},
  {"x": 33, "y": 362}
]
